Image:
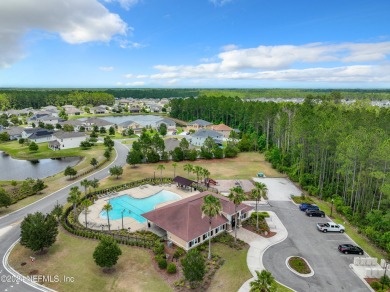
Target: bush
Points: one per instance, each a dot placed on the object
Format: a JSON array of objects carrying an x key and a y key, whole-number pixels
[
  {"x": 375, "y": 285},
  {"x": 158, "y": 247},
  {"x": 178, "y": 253},
  {"x": 161, "y": 262},
  {"x": 171, "y": 269}
]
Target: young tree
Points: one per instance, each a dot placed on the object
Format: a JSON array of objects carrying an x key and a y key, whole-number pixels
[
  {"x": 134, "y": 157},
  {"x": 193, "y": 266},
  {"x": 163, "y": 129},
  {"x": 211, "y": 208},
  {"x": 74, "y": 198},
  {"x": 259, "y": 192},
  {"x": 108, "y": 207},
  {"x": 116, "y": 170},
  {"x": 236, "y": 195},
  {"x": 102, "y": 130},
  {"x": 94, "y": 183},
  {"x": 86, "y": 203},
  {"x": 111, "y": 131},
  {"x": 107, "y": 154},
  {"x": 106, "y": 253},
  {"x": 85, "y": 183},
  {"x": 265, "y": 282},
  {"x": 5, "y": 198},
  {"x": 174, "y": 169},
  {"x": 33, "y": 147},
  {"x": 57, "y": 211},
  {"x": 94, "y": 162},
  {"x": 69, "y": 171},
  {"x": 4, "y": 137},
  {"x": 38, "y": 231},
  {"x": 108, "y": 142},
  {"x": 160, "y": 167},
  {"x": 189, "y": 168},
  {"x": 177, "y": 154}
]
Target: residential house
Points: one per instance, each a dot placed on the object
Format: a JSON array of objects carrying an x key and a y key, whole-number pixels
[
  {"x": 71, "y": 110},
  {"x": 37, "y": 135},
  {"x": 137, "y": 128},
  {"x": 15, "y": 133},
  {"x": 197, "y": 125},
  {"x": 66, "y": 140},
  {"x": 100, "y": 109},
  {"x": 135, "y": 109},
  {"x": 172, "y": 143},
  {"x": 187, "y": 227},
  {"x": 76, "y": 124},
  {"x": 223, "y": 129},
  {"x": 198, "y": 138},
  {"x": 171, "y": 125},
  {"x": 91, "y": 122}
]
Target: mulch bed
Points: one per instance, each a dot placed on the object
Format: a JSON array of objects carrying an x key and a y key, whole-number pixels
[{"x": 260, "y": 232}]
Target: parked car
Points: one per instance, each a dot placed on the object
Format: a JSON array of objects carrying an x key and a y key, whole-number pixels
[
  {"x": 350, "y": 249},
  {"x": 305, "y": 206},
  {"x": 330, "y": 226},
  {"x": 314, "y": 213}
]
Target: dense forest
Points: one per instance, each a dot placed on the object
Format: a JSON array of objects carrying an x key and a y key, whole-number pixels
[
  {"x": 333, "y": 150},
  {"x": 36, "y": 98}
]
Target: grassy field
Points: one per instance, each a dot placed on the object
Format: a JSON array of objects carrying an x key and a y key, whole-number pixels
[
  {"x": 245, "y": 166},
  {"x": 233, "y": 273},
  {"x": 72, "y": 257}
]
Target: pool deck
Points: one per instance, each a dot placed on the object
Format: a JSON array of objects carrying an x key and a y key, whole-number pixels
[{"x": 95, "y": 222}]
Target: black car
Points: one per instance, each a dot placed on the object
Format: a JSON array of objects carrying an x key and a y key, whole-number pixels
[
  {"x": 350, "y": 249},
  {"x": 315, "y": 213}
]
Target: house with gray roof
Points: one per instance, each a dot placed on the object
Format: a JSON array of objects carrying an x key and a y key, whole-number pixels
[
  {"x": 171, "y": 125},
  {"x": 76, "y": 124},
  {"x": 37, "y": 135},
  {"x": 197, "y": 125},
  {"x": 91, "y": 122},
  {"x": 14, "y": 132},
  {"x": 198, "y": 138},
  {"x": 66, "y": 140}
]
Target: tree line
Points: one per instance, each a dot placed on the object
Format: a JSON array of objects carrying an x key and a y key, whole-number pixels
[{"x": 333, "y": 150}]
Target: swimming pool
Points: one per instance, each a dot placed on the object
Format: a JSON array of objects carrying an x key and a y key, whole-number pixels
[{"x": 132, "y": 207}]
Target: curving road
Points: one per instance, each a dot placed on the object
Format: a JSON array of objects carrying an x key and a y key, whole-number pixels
[{"x": 10, "y": 224}]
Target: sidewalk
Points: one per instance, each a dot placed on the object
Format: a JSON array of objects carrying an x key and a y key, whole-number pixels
[{"x": 258, "y": 246}]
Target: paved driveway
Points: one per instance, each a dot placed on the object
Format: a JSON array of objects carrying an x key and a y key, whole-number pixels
[{"x": 332, "y": 272}]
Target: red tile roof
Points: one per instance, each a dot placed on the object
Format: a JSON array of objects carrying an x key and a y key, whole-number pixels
[
  {"x": 184, "y": 218},
  {"x": 221, "y": 127}
]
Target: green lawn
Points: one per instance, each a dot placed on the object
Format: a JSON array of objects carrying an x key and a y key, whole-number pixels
[{"x": 72, "y": 257}]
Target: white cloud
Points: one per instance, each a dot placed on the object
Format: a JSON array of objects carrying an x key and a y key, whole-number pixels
[
  {"x": 230, "y": 47},
  {"x": 126, "y": 44},
  {"x": 75, "y": 21},
  {"x": 106, "y": 69},
  {"x": 343, "y": 62},
  {"x": 220, "y": 2},
  {"x": 125, "y": 4},
  {"x": 136, "y": 83}
]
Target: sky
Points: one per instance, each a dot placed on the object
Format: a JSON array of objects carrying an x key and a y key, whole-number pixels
[{"x": 195, "y": 43}]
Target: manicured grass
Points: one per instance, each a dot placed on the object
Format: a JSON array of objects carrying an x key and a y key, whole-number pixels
[
  {"x": 302, "y": 199},
  {"x": 360, "y": 240},
  {"x": 282, "y": 288},
  {"x": 245, "y": 166},
  {"x": 234, "y": 272},
  {"x": 72, "y": 257},
  {"x": 298, "y": 264}
]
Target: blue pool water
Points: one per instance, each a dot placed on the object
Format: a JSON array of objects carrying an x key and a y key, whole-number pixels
[{"x": 132, "y": 207}]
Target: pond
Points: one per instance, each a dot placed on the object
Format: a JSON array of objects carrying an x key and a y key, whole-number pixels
[{"x": 16, "y": 169}]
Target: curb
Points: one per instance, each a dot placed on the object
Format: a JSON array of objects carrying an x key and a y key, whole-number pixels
[{"x": 19, "y": 276}]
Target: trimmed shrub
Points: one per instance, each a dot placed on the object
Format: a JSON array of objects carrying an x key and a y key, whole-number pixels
[
  {"x": 161, "y": 262},
  {"x": 171, "y": 269}
]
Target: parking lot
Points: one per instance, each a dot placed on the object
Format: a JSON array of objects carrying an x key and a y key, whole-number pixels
[{"x": 331, "y": 268}]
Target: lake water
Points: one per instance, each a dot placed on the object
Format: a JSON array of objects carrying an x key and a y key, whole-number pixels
[{"x": 15, "y": 169}]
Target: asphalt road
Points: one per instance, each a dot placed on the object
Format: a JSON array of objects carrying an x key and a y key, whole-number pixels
[
  {"x": 45, "y": 205},
  {"x": 332, "y": 272}
]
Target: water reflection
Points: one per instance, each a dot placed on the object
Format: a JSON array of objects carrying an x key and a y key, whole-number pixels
[{"x": 16, "y": 169}]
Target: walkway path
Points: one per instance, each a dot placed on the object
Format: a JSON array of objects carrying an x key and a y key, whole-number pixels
[{"x": 258, "y": 246}]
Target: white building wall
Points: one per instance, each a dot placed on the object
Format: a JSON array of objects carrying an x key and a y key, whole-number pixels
[{"x": 68, "y": 143}]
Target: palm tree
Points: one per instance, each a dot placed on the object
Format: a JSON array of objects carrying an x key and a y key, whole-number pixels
[
  {"x": 259, "y": 192},
  {"x": 108, "y": 207},
  {"x": 160, "y": 167},
  {"x": 174, "y": 169},
  {"x": 86, "y": 204},
  {"x": 198, "y": 170},
  {"x": 206, "y": 174},
  {"x": 85, "y": 183},
  {"x": 189, "y": 168},
  {"x": 94, "y": 183},
  {"x": 74, "y": 198},
  {"x": 236, "y": 195},
  {"x": 211, "y": 207},
  {"x": 265, "y": 282}
]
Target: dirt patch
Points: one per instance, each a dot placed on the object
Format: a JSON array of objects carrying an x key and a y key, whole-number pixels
[{"x": 266, "y": 234}]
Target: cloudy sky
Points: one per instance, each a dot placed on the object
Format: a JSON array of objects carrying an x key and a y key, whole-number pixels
[{"x": 195, "y": 43}]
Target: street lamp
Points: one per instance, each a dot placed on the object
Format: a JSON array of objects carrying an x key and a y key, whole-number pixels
[
  {"x": 331, "y": 208},
  {"x": 122, "y": 217}
]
